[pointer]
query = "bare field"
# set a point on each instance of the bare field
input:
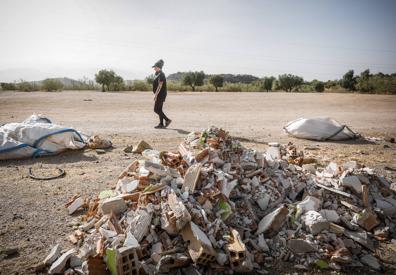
(32, 216)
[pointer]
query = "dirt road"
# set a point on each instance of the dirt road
(32, 215)
(248, 114)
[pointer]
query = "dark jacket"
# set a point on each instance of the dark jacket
(160, 76)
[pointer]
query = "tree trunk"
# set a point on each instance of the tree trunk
(193, 88)
(103, 87)
(216, 88)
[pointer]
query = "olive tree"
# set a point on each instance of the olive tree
(348, 81)
(109, 79)
(193, 79)
(288, 82)
(217, 81)
(267, 83)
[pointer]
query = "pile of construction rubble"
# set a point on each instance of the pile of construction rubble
(216, 206)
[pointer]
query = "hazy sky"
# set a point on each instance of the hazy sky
(312, 38)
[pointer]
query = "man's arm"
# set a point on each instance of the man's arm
(158, 90)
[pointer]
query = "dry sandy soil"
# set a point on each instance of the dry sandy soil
(32, 214)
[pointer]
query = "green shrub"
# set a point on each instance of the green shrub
(177, 86)
(206, 88)
(332, 84)
(139, 85)
(384, 84)
(8, 86)
(318, 86)
(275, 85)
(232, 87)
(305, 88)
(27, 86)
(82, 84)
(50, 85)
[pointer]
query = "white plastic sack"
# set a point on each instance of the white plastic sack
(37, 136)
(320, 128)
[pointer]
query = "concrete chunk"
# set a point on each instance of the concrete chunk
(353, 183)
(116, 205)
(77, 203)
(330, 215)
(175, 217)
(263, 201)
(308, 204)
(59, 265)
(200, 248)
(371, 261)
(226, 187)
(191, 177)
(300, 246)
(272, 222)
(53, 255)
(140, 224)
(142, 145)
(262, 243)
(315, 222)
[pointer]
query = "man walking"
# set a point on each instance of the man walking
(160, 92)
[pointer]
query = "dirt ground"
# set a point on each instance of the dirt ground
(32, 213)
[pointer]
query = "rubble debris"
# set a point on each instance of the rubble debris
(191, 178)
(169, 262)
(309, 203)
(236, 251)
(75, 204)
(128, 149)
(141, 146)
(301, 246)
(342, 256)
(140, 224)
(271, 223)
(177, 217)
(315, 222)
(125, 261)
(371, 261)
(200, 248)
(330, 215)
(366, 219)
(262, 243)
(53, 255)
(96, 142)
(59, 265)
(115, 205)
(353, 183)
(216, 206)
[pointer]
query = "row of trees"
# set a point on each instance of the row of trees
(368, 83)
(108, 80)
(48, 85)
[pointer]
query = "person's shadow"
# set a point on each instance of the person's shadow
(179, 131)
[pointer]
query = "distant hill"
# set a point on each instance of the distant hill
(232, 78)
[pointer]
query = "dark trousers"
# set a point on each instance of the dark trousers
(158, 110)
